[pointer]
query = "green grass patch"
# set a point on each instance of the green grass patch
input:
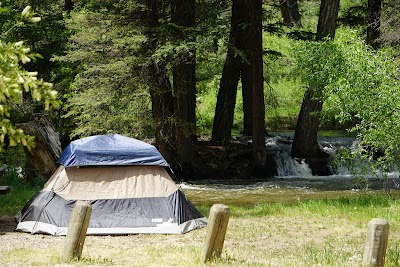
(318, 232)
(20, 192)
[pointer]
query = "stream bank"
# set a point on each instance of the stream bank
(234, 161)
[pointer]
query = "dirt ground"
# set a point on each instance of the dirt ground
(260, 241)
(254, 241)
(21, 249)
(10, 240)
(7, 224)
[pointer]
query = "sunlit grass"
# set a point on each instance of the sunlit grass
(29, 256)
(20, 193)
(325, 232)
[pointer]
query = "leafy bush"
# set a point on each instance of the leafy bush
(361, 87)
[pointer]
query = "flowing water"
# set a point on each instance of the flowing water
(293, 183)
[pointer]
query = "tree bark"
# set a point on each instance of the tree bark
(246, 74)
(41, 161)
(184, 80)
(246, 70)
(374, 22)
(258, 146)
(305, 141)
(68, 5)
(160, 92)
(328, 14)
(290, 13)
(307, 146)
(226, 99)
(163, 109)
(284, 7)
(246, 37)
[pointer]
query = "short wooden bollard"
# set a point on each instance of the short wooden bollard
(217, 226)
(376, 244)
(77, 229)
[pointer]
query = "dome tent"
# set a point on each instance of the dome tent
(125, 180)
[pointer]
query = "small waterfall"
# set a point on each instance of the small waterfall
(280, 146)
(286, 166)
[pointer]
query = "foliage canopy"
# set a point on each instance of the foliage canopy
(361, 86)
(16, 82)
(107, 95)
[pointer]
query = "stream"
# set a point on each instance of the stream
(294, 181)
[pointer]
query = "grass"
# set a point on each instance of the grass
(20, 192)
(315, 232)
(16, 199)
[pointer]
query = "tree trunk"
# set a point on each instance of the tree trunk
(41, 161)
(294, 12)
(160, 91)
(163, 109)
(284, 7)
(184, 80)
(374, 22)
(68, 5)
(328, 14)
(246, 70)
(258, 146)
(290, 12)
(226, 99)
(305, 144)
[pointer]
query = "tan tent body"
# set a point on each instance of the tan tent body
(125, 199)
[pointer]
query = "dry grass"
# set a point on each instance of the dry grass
(316, 234)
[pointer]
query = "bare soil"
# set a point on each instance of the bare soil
(255, 241)
(7, 224)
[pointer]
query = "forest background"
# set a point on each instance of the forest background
(168, 72)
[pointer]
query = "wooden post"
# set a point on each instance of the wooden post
(77, 229)
(376, 244)
(216, 230)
